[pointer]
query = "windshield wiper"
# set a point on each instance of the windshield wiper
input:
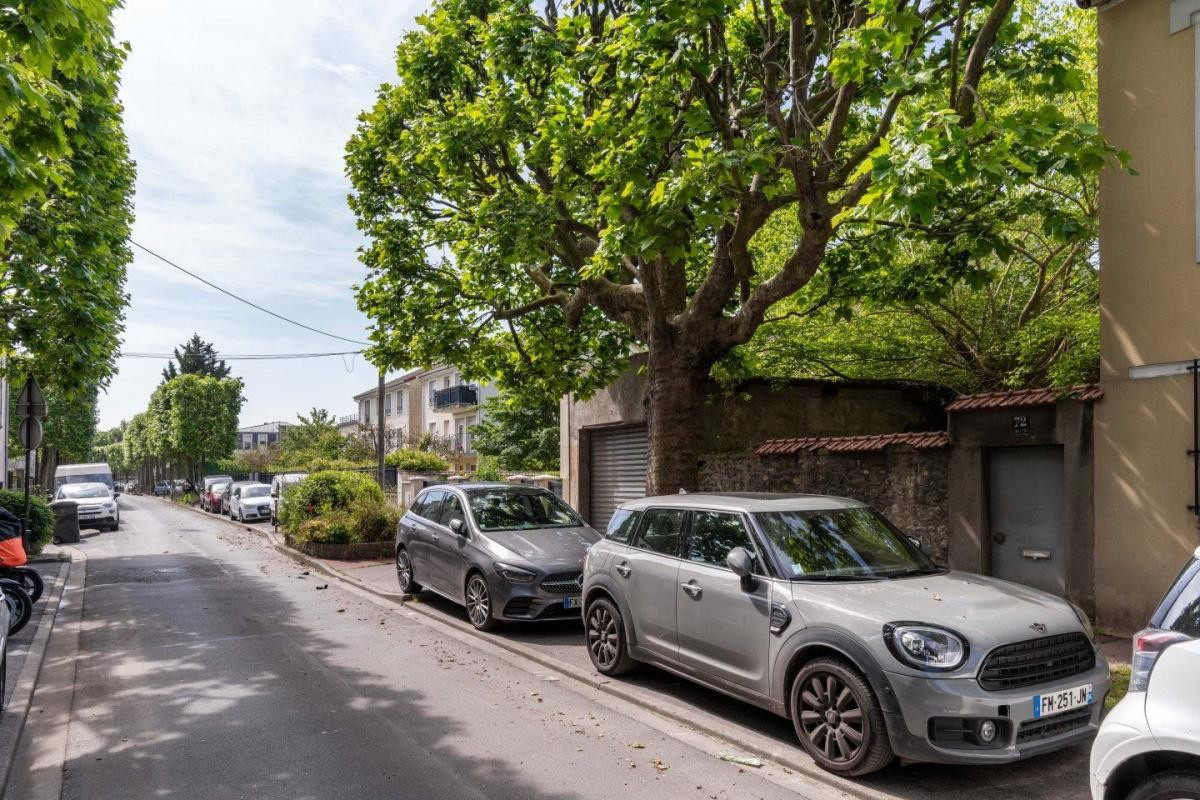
(824, 578)
(905, 573)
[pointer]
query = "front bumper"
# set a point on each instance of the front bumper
(526, 602)
(924, 699)
(256, 513)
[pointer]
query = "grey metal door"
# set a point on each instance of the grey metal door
(1026, 514)
(617, 470)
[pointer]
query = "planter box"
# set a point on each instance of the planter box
(343, 552)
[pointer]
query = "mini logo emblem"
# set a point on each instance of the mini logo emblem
(1039, 627)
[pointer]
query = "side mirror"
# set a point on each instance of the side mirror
(741, 563)
(458, 527)
(917, 543)
(116, 495)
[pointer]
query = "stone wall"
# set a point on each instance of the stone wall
(910, 487)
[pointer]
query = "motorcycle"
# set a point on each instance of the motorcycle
(20, 607)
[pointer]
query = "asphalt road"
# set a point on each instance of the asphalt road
(211, 667)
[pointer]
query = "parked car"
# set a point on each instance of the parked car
(162, 489)
(207, 485)
(279, 486)
(1149, 745)
(505, 552)
(818, 609)
(226, 504)
(95, 503)
(250, 503)
(210, 501)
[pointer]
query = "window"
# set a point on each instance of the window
(387, 404)
(427, 505)
(713, 534)
(446, 429)
(620, 526)
(451, 509)
(660, 529)
(854, 542)
(520, 509)
(433, 429)
(1183, 615)
(432, 391)
(446, 382)
(400, 401)
(367, 413)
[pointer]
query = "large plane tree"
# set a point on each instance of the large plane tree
(547, 190)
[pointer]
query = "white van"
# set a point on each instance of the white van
(83, 473)
(279, 485)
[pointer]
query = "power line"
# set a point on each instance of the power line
(250, 356)
(240, 299)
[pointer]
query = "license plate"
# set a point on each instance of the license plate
(571, 602)
(1045, 705)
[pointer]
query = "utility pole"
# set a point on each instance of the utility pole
(380, 424)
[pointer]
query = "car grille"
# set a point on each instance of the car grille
(89, 509)
(563, 583)
(1037, 661)
(1037, 729)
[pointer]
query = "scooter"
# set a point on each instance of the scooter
(20, 607)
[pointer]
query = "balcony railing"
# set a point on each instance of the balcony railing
(461, 396)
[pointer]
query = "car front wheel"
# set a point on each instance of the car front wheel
(838, 719)
(404, 572)
(479, 603)
(1168, 786)
(607, 644)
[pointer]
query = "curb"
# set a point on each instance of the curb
(21, 700)
(663, 707)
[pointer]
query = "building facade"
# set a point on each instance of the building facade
(264, 435)
(428, 405)
(1146, 479)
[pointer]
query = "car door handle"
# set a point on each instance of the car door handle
(692, 589)
(624, 570)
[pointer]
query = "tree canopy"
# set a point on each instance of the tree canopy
(197, 357)
(518, 434)
(546, 192)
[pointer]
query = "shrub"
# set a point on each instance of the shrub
(488, 470)
(326, 493)
(373, 521)
(41, 518)
(414, 460)
(332, 529)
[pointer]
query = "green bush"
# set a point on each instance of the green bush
(414, 460)
(41, 518)
(488, 470)
(326, 493)
(332, 529)
(373, 521)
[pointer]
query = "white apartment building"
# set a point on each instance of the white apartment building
(436, 402)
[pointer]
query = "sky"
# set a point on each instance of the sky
(238, 114)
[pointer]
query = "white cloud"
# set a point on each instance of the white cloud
(238, 115)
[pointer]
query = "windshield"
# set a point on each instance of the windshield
(841, 543)
(256, 491)
(80, 492)
(507, 510)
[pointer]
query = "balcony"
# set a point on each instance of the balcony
(454, 398)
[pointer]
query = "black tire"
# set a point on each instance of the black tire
(479, 603)
(31, 581)
(604, 634)
(20, 607)
(838, 719)
(1168, 786)
(405, 576)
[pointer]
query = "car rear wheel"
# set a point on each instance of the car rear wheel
(1168, 786)
(608, 647)
(479, 604)
(838, 719)
(404, 572)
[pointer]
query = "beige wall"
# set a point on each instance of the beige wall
(1150, 312)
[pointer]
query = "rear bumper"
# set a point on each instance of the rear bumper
(963, 699)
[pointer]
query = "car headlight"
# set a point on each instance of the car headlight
(1084, 621)
(926, 647)
(514, 574)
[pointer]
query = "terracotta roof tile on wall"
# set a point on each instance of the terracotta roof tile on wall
(933, 440)
(1024, 398)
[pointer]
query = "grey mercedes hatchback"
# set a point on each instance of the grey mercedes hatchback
(505, 552)
(819, 610)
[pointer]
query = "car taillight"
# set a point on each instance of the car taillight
(1148, 645)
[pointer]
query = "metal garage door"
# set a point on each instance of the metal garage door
(617, 468)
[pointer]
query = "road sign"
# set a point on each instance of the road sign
(30, 433)
(31, 402)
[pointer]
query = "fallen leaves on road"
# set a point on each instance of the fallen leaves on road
(745, 761)
(659, 764)
(637, 745)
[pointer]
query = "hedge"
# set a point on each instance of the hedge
(414, 460)
(326, 493)
(41, 518)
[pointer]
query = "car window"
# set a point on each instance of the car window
(1183, 614)
(853, 542)
(451, 509)
(430, 505)
(620, 527)
(713, 534)
(256, 491)
(659, 530)
(520, 509)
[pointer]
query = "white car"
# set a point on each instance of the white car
(95, 502)
(250, 502)
(1149, 745)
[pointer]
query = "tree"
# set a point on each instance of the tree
(518, 435)
(1034, 321)
(197, 358)
(190, 417)
(315, 438)
(543, 193)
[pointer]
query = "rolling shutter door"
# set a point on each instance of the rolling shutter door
(618, 471)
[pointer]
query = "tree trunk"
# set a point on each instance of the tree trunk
(675, 386)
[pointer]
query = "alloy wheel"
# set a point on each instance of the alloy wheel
(479, 606)
(404, 574)
(602, 637)
(831, 718)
